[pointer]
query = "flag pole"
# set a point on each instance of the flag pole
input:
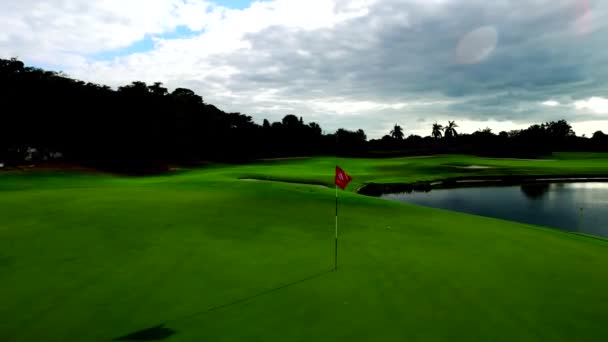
(336, 185)
(336, 240)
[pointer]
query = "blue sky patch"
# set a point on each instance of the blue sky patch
(144, 45)
(147, 44)
(235, 4)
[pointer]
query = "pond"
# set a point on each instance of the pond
(574, 207)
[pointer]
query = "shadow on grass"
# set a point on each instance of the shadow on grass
(260, 294)
(160, 332)
(156, 333)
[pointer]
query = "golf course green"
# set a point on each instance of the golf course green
(245, 253)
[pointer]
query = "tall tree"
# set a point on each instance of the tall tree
(186, 95)
(158, 89)
(450, 129)
(599, 135)
(349, 142)
(397, 132)
(559, 129)
(292, 121)
(315, 128)
(437, 131)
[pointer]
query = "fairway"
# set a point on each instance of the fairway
(94, 257)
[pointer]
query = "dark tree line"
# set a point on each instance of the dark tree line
(47, 116)
(534, 141)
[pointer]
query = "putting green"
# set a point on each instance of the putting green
(97, 257)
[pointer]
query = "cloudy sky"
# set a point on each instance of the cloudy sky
(343, 63)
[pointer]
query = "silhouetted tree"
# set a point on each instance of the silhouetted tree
(599, 141)
(397, 132)
(186, 96)
(291, 121)
(450, 129)
(351, 143)
(158, 89)
(559, 129)
(437, 131)
(315, 128)
(142, 128)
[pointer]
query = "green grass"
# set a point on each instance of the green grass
(95, 257)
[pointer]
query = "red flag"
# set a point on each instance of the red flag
(342, 179)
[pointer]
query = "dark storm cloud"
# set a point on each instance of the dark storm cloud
(404, 51)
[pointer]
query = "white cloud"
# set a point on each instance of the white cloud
(551, 103)
(44, 31)
(597, 105)
(225, 31)
(343, 63)
(353, 107)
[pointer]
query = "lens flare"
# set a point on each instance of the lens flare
(584, 18)
(477, 45)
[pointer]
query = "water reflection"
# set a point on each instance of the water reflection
(578, 207)
(535, 191)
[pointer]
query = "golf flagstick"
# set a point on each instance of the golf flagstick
(336, 185)
(342, 179)
(336, 246)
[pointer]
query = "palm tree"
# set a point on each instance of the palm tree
(397, 132)
(450, 129)
(437, 128)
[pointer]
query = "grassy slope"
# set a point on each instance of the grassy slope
(91, 258)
